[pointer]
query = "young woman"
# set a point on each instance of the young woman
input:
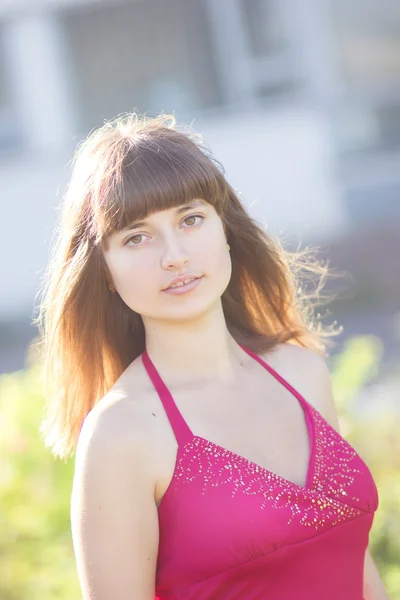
(185, 369)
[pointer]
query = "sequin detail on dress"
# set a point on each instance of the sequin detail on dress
(324, 503)
(333, 472)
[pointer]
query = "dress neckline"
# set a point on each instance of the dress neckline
(185, 435)
(264, 470)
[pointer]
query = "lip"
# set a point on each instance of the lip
(184, 289)
(181, 278)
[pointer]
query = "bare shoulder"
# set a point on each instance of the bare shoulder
(112, 425)
(113, 510)
(308, 372)
(298, 361)
(121, 425)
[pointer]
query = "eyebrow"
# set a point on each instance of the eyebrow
(178, 211)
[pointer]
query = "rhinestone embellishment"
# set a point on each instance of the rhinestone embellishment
(325, 501)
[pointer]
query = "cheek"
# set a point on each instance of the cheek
(214, 256)
(135, 275)
(131, 275)
(212, 250)
(215, 263)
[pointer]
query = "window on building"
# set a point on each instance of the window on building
(266, 27)
(10, 135)
(368, 40)
(147, 55)
(367, 36)
(272, 48)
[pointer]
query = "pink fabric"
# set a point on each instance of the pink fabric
(232, 530)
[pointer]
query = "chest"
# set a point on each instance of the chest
(258, 420)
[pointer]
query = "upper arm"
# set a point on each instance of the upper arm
(114, 517)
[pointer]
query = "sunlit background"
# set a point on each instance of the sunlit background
(300, 101)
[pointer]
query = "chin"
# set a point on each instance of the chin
(190, 308)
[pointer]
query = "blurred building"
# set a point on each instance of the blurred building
(299, 100)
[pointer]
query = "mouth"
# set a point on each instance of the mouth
(184, 287)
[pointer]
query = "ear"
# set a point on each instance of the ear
(106, 271)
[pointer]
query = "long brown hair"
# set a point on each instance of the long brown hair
(131, 166)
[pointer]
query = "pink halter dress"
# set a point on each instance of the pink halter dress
(232, 530)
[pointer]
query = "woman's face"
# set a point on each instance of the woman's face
(143, 260)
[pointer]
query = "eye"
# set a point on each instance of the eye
(194, 217)
(138, 235)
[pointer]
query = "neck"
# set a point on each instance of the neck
(200, 351)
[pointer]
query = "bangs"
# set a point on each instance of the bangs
(153, 175)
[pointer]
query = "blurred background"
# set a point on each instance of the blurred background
(300, 101)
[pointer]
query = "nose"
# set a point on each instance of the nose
(175, 256)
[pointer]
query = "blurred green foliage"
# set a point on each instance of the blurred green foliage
(36, 553)
(375, 436)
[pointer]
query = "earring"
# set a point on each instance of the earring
(111, 287)
(228, 247)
